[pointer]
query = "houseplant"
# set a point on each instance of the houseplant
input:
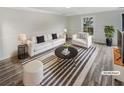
(66, 51)
(109, 32)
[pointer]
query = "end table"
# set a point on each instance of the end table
(22, 51)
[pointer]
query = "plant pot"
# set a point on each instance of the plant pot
(108, 42)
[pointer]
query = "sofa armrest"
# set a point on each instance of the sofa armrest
(30, 43)
(30, 47)
(89, 40)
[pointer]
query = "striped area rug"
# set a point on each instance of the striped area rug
(64, 73)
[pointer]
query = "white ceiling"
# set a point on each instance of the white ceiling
(69, 11)
(75, 10)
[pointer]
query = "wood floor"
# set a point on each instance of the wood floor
(11, 70)
(103, 62)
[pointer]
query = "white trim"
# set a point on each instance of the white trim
(87, 13)
(33, 10)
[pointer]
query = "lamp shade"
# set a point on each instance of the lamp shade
(65, 30)
(22, 38)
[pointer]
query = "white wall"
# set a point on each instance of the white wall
(13, 22)
(73, 24)
(101, 19)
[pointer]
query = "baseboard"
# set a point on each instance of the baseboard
(103, 43)
(7, 59)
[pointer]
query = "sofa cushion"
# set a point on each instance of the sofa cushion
(81, 41)
(43, 45)
(54, 36)
(40, 39)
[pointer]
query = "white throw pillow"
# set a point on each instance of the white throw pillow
(45, 38)
(49, 37)
(33, 39)
(78, 36)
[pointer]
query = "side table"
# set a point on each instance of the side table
(22, 51)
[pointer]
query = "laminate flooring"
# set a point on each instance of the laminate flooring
(11, 70)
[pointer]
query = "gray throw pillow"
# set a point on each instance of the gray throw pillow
(83, 36)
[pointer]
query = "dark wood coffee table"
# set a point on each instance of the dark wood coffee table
(72, 55)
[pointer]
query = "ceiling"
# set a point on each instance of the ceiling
(67, 11)
(75, 10)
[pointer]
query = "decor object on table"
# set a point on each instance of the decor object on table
(22, 51)
(65, 32)
(22, 38)
(33, 73)
(82, 39)
(72, 54)
(109, 32)
(88, 25)
(65, 50)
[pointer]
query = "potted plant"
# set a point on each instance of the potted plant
(66, 46)
(109, 32)
(66, 51)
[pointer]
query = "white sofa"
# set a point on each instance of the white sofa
(35, 48)
(82, 39)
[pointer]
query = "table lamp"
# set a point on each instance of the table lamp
(22, 38)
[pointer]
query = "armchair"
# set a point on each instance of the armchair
(82, 39)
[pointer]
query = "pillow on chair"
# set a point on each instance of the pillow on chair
(83, 36)
(78, 36)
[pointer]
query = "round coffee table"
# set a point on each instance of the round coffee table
(72, 55)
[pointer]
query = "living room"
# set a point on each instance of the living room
(58, 26)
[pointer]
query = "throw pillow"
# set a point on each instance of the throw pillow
(54, 36)
(78, 36)
(83, 36)
(40, 39)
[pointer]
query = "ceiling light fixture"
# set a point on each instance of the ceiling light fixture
(67, 7)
